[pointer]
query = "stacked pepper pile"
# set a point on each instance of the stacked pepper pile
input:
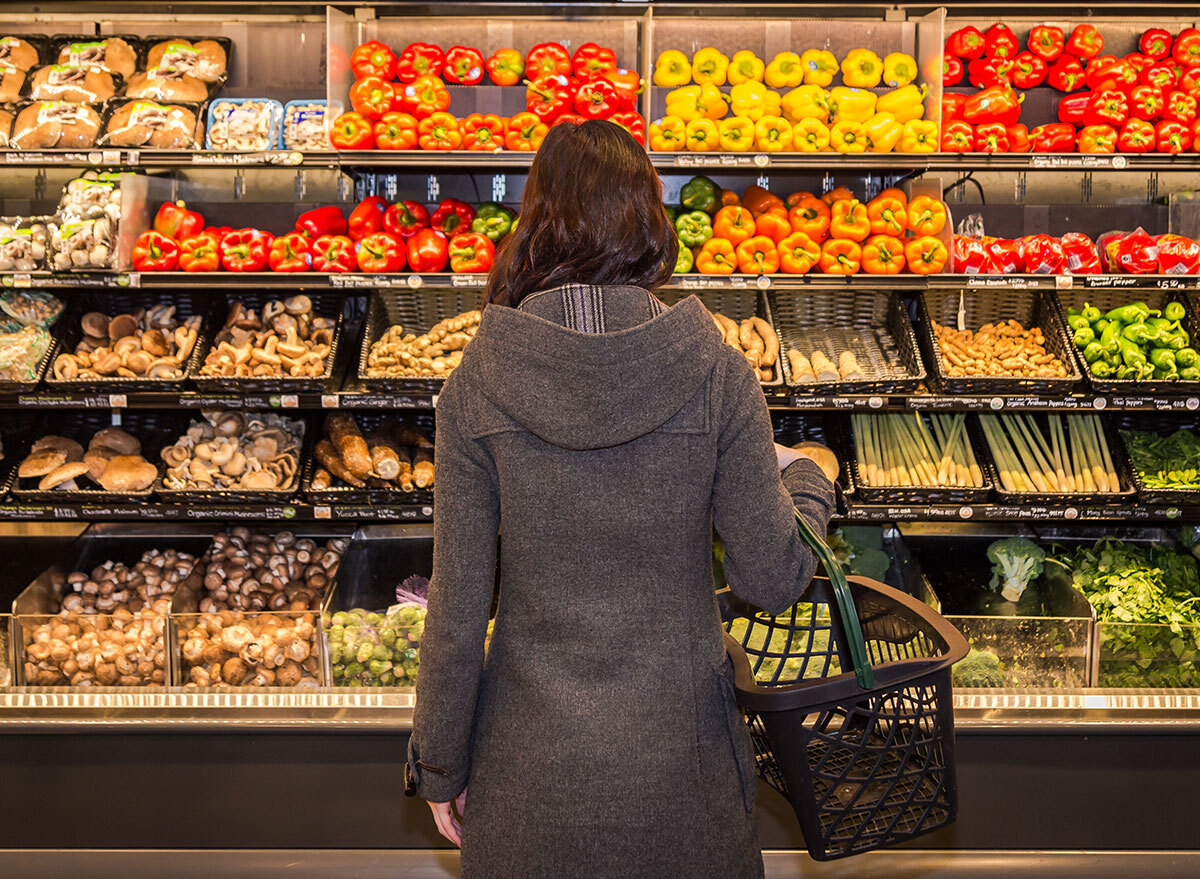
(810, 117)
(402, 102)
(1143, 102)
(376, 237)
(759, 233)
(1135, 342)
(1074, 253)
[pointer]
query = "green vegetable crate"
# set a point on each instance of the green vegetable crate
(1163, 451)
(1049, 645)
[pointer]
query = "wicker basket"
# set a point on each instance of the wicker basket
(417, 311)
(340, 493)
(875, 328)
(735, 305)
(1030, 309)
(1164, 424)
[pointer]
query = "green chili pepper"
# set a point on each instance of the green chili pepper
(1163, 358)
(1100, 326)
(1077, 321)
(1124, 372)
(685, 260)
(1100, 369)
(700, 194)
(1092, 352)
(1187, 357)
(1160, 373)
(1131, 354)
(1190, 373)
(1108, 338)
(694, 228)
(493, 221)
(1145, 371)
(1127, 314)
(1111, 358)
(1140, 333)
(1084, 337)
(1174, 311)
(1091, 313)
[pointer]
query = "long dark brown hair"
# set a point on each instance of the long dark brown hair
(591, 214)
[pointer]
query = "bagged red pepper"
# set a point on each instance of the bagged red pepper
(969, 256)
(1134, 252)
(1043, 255)
(1080, 254)
(1177, 255)
(1004, 257)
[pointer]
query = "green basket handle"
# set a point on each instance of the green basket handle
(841, 593)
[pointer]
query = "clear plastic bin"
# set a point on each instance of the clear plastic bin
(236, 649)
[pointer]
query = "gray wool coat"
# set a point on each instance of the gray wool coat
(607, 435)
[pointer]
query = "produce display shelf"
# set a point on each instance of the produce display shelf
(332, 399)
(932, 402)
(989, 512)
(133, 159)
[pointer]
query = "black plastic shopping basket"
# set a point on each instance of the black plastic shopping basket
(847, 696)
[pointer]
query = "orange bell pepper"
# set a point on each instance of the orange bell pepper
(893, 192)
(850, 220)
(773, 223)
(836, 194)
(439, 131)
(926, 215)
(883, 255)
(840, 256)
(758, 256)
(793, 198)
(525, 132)
(810, 216)
(734, 223)
(925, 255)
(728, 196)
(888, 215)
(798, 253)
(758, 199)
(716, 257)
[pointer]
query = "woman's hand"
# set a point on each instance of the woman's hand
(447, 824)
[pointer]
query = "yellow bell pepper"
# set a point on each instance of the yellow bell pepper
(784, 71)
(702, 136)
(773, 106)
(850, 104)
(810, 136)
(920, 136)
(736, 134)
(773, 134)
(672, 68)
(883, 132)
(899, 69)
(667, 134)
(806, 102)
(848, 137)
(745, 65)
(696, 102)
(820, 67)
(748, 99)
(905, 103)
(710, 65)
(862, 69)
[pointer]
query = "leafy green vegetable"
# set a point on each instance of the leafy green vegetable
(1016, 561)
(859, 550)
(980, 668)
(1165, 461)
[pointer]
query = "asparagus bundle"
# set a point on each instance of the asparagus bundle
(1070, 456)
(902, 450)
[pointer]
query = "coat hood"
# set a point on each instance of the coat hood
(633, 368)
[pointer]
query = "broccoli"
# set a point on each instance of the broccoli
(980, 668)
(1016, 561)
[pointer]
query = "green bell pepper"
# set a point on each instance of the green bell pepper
(694, 228)
(493, 221)
(1084, 336)
(1092, 351)
(1078, 322)
(685, 260)
(1187, 357)
(1090, 313)
(1174, 311)
(700, 194)
(672, 212)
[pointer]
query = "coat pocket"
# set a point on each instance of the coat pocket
(739, 738)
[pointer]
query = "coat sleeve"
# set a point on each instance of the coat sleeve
(460, 599)
(766, 562)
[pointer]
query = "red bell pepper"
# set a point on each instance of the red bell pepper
(952, 70)
(1186, 48)
(632, 122)
(423, 97)
(957, 137)
(596, 99)
(1079, 254)
(591, 60)
(155, 252)
(1047, 42)
(1196, 136)
(351, 131)
(1000, 42)
(1135, 253)
(1177, 255)
(200, 253)
(380, 252)
(1004, 257)
(328, 220)
(427, 251)
(1030, 71)
(371, 97)
(952, 106)
(483, 133)
(965, 43)
(366, 218)
(417, 60)
(1156, 42)
(1085, 41)
(1097, 139)
(505, 67)
(548, 97)
(1136, 136)
(1043, 255)
(1139, 62)
(290, 253)
(1113, 73)
(1066, 74)
(986, 72)
(471, 252)
(1018, 138)
(1189, 80)
(373, 59)
(991, 138)
(451, 216)
(334, 253)
(396, 131)
(565, 118)
(1146, 102)
(174, 220)
(547, 59)
(1172, 136)
(246, 250)
(628, 85)
(969, 257)
(1073, 108)
(1057, 137)
(1161, 76)
(1179, 107)
(405, 219)
(464, 66)
(998, 103)
(1107, 108)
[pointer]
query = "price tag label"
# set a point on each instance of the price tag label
(118, 401)
(433, 400)
(329, 401)
(322, 512)
(289, 401)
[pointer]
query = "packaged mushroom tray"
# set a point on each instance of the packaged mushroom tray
(243, 124)
(274, 344)
(25, 343)
(304, 126)
(83, 233)
(45, 125)
(137, 343)
(141, 122)
(204, 58)
(115, 55)
(23, 243)
(234, 456)
(371, 458)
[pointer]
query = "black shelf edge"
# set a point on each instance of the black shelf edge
(1018, 513)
